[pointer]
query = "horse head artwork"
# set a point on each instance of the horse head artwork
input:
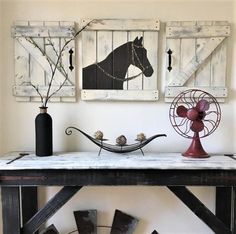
(111, 72)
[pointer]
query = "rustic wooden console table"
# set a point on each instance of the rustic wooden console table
(19, 180)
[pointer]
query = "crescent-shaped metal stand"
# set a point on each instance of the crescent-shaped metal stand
(115, 148)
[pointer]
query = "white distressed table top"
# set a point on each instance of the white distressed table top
(91, 160)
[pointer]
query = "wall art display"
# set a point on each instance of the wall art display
(119, 60)
(196, 54)
(38, 45)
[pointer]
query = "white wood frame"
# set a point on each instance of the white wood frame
(110, 33)
(199, 57)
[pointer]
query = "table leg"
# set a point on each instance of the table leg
(52, 206)
(224, 205)
(11, 210)
(199, 209)
(29, 199)
(234, 210)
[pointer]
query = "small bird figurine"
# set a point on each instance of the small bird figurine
(98, 135)
(121, 140)
(141, 137)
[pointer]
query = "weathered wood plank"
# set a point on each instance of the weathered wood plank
(25, 91)
(40, 59)
(123, 223)
(64, 195)
(137, 83)
(123, 24)
(187, 53)
(203, 73)
(174, 46)
(86, 221)
(217, 92)
(89, 52)
(107, 160)
(125, 95)
(151, 45)
(233, 210)
(104, 48)
(198, 31)
(42, 31)
(196, 61)
(199, 209)
(224, 205)
(219, 65)
(11, 210)
(112, 177)
(65, 57)
(29, 202)
(37, 74)
(119, 38)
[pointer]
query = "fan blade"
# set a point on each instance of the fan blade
(197, 126)
(203, 105)
(182, 111)
(192, 114)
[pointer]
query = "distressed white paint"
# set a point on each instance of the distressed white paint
(203, 73)
(199, 56)
(107, 160)
(109, 35)
(219, 65)
(187, 53)
(24, 91)
(42, 31)
(31, 66)
(217, 92)
(114, 95)
(196, 62)
(122, 24)
(41, 59)
(196, 31)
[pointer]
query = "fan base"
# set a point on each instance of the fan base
(196, 150)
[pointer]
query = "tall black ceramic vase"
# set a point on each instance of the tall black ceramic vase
(43, 133)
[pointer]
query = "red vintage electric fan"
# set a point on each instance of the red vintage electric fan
(195, 114)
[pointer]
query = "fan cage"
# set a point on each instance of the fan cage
(189, 99)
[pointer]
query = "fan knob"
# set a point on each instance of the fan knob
(192, 114)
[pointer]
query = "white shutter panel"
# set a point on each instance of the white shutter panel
(198, 58)
(32, 66)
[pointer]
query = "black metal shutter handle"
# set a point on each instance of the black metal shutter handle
(71, 67)
(169, 52)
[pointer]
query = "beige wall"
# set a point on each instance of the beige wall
(155, 206)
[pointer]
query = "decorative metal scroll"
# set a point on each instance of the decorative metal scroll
(116, 148)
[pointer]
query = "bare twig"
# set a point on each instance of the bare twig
(37, 90)
(58, 64)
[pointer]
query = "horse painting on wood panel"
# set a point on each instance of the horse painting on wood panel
(111, 72)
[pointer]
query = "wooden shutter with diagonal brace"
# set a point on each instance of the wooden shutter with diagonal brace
(32, 67)
(198, 58)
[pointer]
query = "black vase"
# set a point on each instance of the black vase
(43, 133)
